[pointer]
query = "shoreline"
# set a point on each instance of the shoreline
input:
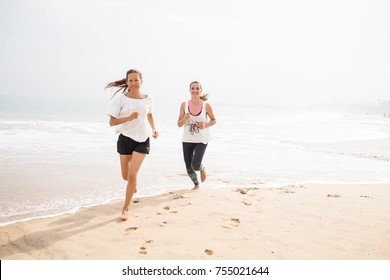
(300, 222)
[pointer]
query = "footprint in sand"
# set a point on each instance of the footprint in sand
(209, 252)
(241, 191)
(166, 208)
(288, 191)
(130, 229)
(234, 222)
(189, 203)
(142, 250)
(245, 191)
(162, 224)
(247, 203)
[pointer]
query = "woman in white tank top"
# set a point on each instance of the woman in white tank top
(196, 116)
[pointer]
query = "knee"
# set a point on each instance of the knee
(131, 176)
(196, 166)
(125, 175)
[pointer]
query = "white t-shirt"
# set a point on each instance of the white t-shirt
(122, 106)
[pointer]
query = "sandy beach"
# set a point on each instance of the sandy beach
(297, 222)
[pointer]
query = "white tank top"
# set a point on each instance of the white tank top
(192, 133)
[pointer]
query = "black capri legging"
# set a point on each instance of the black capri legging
(193, 155)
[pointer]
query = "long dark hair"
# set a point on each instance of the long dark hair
(204, 97)
(122, 84)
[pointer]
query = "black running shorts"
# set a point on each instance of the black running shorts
(126, 146)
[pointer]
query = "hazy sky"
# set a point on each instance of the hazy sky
(248, 51)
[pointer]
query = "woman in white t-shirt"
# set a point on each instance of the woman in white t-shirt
(131, 114)
(196, 116)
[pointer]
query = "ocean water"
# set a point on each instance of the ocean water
(56, 161)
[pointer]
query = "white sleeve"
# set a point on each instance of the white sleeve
(115, 107)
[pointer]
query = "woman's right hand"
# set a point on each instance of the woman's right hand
(133, 116)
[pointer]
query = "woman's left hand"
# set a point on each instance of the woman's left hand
(154, 133)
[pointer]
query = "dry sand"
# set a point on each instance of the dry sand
(300, 222)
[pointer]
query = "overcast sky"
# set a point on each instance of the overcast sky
(248, 51)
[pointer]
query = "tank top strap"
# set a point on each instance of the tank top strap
(186, 107)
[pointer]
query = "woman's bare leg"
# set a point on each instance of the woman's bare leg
(134, 166)
(125, 165)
